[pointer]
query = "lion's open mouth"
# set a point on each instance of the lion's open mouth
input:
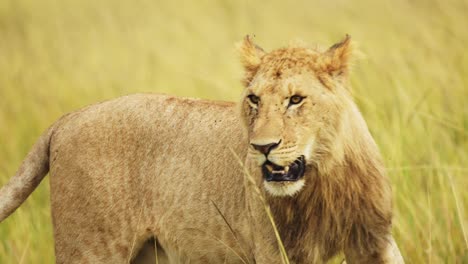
(292, 172)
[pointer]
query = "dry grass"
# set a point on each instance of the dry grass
(56, 56)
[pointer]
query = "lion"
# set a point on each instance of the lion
(186, 180)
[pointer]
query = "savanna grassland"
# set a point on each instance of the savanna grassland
(410, 82)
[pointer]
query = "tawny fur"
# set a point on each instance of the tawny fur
(147, 167)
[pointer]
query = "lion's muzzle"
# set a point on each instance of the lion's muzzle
(291, 172)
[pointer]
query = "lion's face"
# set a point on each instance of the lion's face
(289, 108)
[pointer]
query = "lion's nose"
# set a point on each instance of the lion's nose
(265, 149)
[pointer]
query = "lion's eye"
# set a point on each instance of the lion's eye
(295, 99)
(254, 99)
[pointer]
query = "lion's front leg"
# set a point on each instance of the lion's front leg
(265, 245)
(389, 253)
(266, 248)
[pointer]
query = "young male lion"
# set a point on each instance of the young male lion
(165, 169)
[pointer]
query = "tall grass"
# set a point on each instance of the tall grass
(411, 86)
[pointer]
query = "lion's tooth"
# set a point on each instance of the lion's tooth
(269, 167)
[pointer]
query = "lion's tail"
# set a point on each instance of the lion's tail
(33, 169)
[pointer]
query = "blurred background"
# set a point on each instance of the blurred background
(411, 85)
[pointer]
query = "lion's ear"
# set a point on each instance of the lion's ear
(250, 57)
(336, 61)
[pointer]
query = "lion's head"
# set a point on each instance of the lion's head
(293, 106)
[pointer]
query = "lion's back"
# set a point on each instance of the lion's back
(145, 120)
